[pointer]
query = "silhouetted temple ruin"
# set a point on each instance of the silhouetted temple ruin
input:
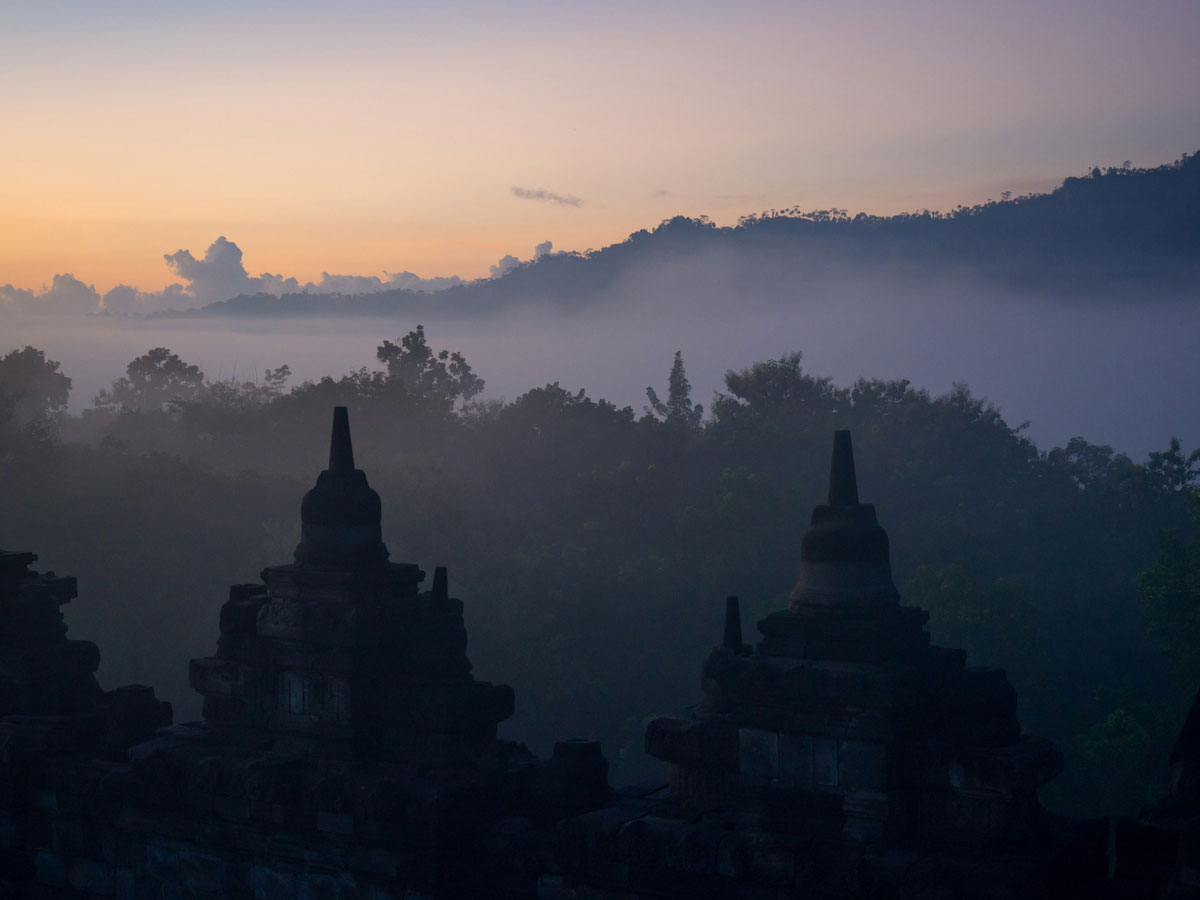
(347, 752)
(876, 762)
(340, 655)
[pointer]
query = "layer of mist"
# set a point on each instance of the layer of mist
(1116, 369)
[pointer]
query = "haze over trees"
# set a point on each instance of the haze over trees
(593, 547)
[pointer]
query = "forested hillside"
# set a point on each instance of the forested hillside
(593, 545)
(1114, 226)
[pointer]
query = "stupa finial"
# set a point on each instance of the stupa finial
(341, 450)
(843, 483)
(844, 558)
(340, 516)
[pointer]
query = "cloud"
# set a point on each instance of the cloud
(13, 298)
(410, 281)
(66, 294)
(371, 284)
(508, 262)
(546, 196)
(220, 275)
(124, 299)
(70, 295)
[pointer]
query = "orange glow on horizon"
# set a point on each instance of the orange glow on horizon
(390, 139)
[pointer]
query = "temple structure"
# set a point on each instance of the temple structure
(844, 756)
(347, 752)
(340, 655)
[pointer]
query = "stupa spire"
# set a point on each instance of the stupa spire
(844, 558)
(843, 483)
(340, 517)
(341, 450)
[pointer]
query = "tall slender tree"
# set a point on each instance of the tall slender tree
(679, 407)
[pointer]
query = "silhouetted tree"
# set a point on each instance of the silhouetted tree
(438, 380)
(1170, 470)
(32, 389)
(231, 396)
(152, 383)
(679, 407)
(1114, 765)
(1171, 600)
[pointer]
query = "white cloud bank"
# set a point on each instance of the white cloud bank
(219, 275)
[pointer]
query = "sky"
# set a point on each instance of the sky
(366, 138)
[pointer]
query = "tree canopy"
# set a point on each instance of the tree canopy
(593, 547)
(32, 389)
(153, 382)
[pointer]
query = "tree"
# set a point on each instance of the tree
(679, 407)
(242, 396)
(154, 382)
(1170, 595)
(1113, 766)
(32, 389)
(778, 385)
(436, 380)
(225, 405)
(1171, 471)
(994, 622)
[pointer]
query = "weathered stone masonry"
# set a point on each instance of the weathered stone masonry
(347, 752)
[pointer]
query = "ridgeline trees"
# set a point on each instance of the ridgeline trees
(593, 548)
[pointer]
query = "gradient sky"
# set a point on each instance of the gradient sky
(360, 137)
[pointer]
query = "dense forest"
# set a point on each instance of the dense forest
(1116, 226)
(594, 545)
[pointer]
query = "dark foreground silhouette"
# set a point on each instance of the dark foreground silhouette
(348, 752)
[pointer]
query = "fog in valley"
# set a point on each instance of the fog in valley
(1114, 368)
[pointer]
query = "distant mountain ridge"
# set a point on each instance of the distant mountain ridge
(1120, 224)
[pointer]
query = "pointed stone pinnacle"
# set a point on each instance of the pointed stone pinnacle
(843, 484)
(340, 516)
(732, 639)
(341, 451)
